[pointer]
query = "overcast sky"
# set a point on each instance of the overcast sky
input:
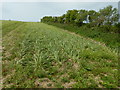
(33, 11)
(59, 0)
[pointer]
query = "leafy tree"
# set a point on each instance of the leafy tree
(109, 15)
(55, 19)
(80, 17)
(47, 19)
(67, 16)
(73, 15)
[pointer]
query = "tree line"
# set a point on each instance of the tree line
(105, 16)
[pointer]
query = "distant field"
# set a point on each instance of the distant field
(37, 55)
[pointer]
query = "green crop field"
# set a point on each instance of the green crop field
(37, 55)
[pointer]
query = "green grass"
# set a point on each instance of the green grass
(37, 55)
(100, 34)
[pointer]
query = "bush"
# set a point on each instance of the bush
(108, 28)
(117, 25)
